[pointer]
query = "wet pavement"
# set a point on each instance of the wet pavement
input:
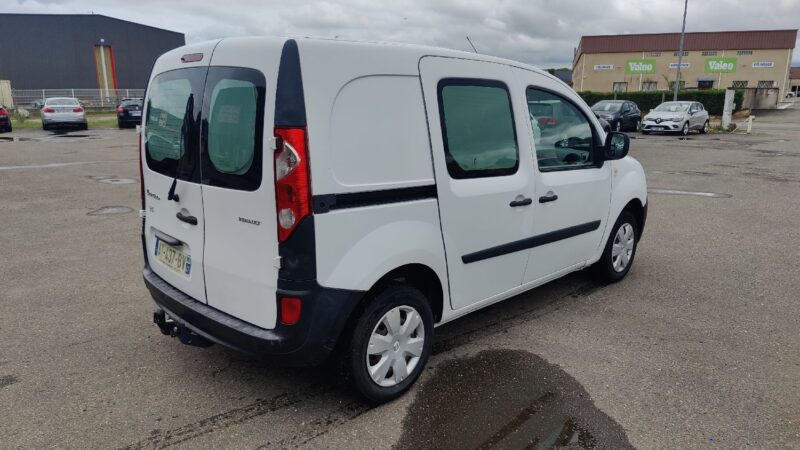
(696, 348)
(505, 399)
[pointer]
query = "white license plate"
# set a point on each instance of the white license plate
(173, 257)
(136, 113)
(658, 128)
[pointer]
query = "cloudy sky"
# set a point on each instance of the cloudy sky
(540, 32)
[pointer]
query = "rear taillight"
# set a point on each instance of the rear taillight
(291, 307)
(48, 110)
(292, 180)
(119, 109)
(78, 109)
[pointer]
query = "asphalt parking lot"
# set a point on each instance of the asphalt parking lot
(698, 348)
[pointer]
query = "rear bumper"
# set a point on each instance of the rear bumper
(325, 313)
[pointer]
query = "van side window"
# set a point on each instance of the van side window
(172, 123)
(478, 128)
(233, 120)
(562, 134)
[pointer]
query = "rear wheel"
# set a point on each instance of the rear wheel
(618, 126)
(619, 251)
(45, 126)
(391, 343)
(704, 130)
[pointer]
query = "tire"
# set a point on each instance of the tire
(404, 301)
(645, 132)
(618, 126)
(45, 127)
(704, 130)
(119, 125)
(10, 128)
(85, 126)
(605, 269)
(685, 129)
(636, 124)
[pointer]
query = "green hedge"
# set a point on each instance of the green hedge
(712, 99)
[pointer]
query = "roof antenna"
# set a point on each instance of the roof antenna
(472, 45)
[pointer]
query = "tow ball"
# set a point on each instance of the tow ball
(172, 328)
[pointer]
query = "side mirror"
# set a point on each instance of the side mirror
(617, 145)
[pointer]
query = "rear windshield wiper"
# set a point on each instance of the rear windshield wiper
(186, 129)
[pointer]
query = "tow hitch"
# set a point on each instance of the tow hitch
(172, 328)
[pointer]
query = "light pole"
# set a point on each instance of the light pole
(680, 55)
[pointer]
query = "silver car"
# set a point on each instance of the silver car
(676, 117)
(63, 111)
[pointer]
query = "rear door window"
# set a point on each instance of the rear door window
(233, 123)
(172, 124)
(478, 128)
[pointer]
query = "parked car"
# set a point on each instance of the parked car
(5, 119)
(620, 114)
(324, 220)
(129, 112)
(676, 117)
(63, 111)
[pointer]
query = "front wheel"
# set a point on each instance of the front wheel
(685, 129)
(619, 251)
(391, 343)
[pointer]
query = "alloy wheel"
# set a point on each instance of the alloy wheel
(622, 248)
(395, 346)
(685, 129)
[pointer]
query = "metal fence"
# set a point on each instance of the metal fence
(93, 99)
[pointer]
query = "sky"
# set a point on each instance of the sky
(539, 32)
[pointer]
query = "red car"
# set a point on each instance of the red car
(5, 119)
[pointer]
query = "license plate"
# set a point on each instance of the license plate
(136, 113)
(658, 128)
(173, 257)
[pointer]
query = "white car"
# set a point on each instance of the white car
(305, 196)
(63, 111)
(676, 117)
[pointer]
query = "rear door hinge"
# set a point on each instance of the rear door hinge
(277, 262)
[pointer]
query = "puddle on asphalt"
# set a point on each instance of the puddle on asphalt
(106, 210)
(690, 193)
(506, 399)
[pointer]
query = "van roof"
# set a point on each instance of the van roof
(375, 52)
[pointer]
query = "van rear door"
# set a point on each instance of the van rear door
(174, 227)
(241, 246)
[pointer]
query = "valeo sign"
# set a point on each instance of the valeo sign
(637, 66)
(720, 65)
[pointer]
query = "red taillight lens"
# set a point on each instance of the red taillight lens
(78, 109)
(49, 110)
(292, 180)
(119, 109)
(290, 310)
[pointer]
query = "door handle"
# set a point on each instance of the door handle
(520, 202)
(191, 220)
(549, 197)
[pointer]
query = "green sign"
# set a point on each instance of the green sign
(637, 66)
(720, 65)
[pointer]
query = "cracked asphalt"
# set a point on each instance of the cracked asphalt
(698, 348)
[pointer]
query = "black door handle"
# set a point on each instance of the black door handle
(191, 220)
(550, 197)
(521, 202)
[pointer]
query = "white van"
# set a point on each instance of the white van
(305, 196)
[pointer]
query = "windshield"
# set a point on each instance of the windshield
(607, 106)
(673, 107)
(62, 102)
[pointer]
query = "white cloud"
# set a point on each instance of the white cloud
(541, 32)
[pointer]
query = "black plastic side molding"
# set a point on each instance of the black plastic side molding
(531, 242)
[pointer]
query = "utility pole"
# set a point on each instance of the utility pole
(680, 54)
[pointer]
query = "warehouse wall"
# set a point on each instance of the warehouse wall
(57, 51)
(587, 78)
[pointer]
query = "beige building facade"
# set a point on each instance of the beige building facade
(631, 63)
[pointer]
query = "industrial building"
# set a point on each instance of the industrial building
(718, 60)
(80, 51)
(794, 80)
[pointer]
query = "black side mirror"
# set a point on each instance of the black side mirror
(617, 145)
